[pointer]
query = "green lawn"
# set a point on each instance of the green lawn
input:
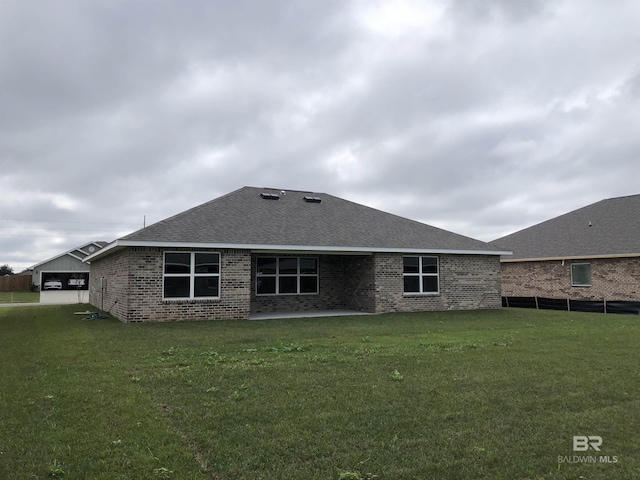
(456, 395)
(19, 297)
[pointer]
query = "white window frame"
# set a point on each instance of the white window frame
(421, 274)
(298, 276)
(192, 275)
(573, 283)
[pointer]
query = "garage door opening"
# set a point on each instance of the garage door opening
(64, 287)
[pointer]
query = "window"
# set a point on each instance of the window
(580, 275)
(286, 275)
(191, 275)
(421, 275)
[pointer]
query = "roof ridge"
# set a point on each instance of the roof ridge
(286, 190)
(617, 198)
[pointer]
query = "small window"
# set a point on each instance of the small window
(177, 263)
(288, 266)
(190, 275)
(308, 266)
(267, 266)
(421, 275)
(207, 263)
(580, 275)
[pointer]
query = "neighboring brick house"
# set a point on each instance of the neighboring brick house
(265, 250)
(592, 253)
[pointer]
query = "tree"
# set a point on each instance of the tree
(5, 270)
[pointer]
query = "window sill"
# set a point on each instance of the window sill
(190, 300)
(426, 294)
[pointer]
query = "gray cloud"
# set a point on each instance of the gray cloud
(479, 117)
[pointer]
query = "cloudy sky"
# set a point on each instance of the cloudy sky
(478, 117)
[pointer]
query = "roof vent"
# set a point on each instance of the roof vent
(270, 196)
(312, 199)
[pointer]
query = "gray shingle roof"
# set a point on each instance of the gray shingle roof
(609, 227)
(243, 217)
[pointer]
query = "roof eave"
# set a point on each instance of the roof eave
(569, 257)
(120, 244)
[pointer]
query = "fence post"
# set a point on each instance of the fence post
(605, 305)
(568, 305)
(537, 308)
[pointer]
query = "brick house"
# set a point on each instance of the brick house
(259, 250)
(592, 253)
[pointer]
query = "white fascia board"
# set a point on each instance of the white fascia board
(569, 257)
(289, 248)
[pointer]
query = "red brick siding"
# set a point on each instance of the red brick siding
(611, 279)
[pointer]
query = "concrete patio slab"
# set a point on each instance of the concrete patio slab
(309, 314)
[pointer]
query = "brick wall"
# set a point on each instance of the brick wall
(371, 283)
(466, 282)
(611, 279)
(134, 278)
(471, 281)
(115, 270)
(360, 283)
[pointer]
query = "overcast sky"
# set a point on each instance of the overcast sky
(482, 118)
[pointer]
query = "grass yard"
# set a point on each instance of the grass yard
(19, 297)
(456, 395)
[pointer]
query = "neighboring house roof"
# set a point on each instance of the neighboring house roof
(609, 228)
(79, 253)
(297, 221)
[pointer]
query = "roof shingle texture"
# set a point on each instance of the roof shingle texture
(244, 217)
(608, 227)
